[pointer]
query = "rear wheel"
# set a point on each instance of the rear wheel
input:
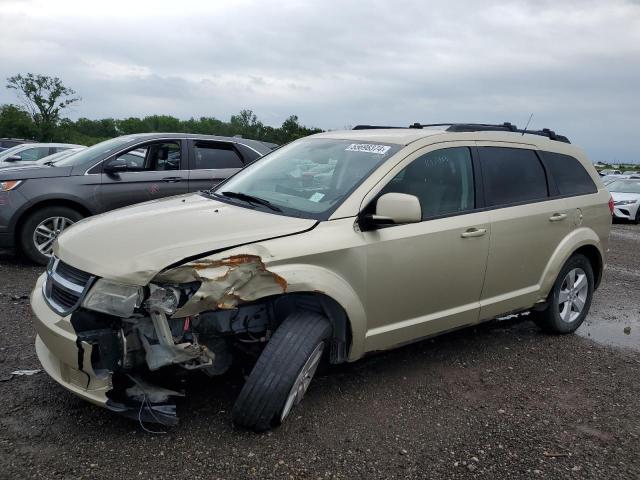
(570, 298)
(283, 372)
(41, 229)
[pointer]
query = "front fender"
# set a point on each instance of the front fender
(311, 278)
(578, 238)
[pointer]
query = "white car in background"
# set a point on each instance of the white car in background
(31, 152)
(626, 198)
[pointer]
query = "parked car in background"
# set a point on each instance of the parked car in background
(56, 157)
(332, 247)
(609, 171)
(46, 160)
(626, 198)
(40, 201)
(630, 172)
(7, 143)
(31, 152)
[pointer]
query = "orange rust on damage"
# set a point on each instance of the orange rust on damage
(227, 262)
(236, 260)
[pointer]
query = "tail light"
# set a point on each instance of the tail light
(611, 204)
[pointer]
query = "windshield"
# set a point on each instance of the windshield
(93, 152)
(624, 186)
(56, 157)
(309, 177)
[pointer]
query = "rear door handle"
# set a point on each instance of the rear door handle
(473, 232)
(172, 179)
(556, 217)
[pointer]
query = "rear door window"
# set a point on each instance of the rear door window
(210, 155)
(511, 176)
(569, 175)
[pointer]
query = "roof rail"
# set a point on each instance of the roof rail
(371, 127)
(478, 127)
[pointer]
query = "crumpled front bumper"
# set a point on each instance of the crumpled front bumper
(57, 350)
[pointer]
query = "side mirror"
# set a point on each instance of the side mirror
(395, 209)
(13, 158)
(115, 167)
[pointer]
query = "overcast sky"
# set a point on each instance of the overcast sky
(574, 64)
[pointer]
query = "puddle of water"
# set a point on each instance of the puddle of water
(612, 333)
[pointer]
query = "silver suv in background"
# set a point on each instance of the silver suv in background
(40, 201)
(31, 152)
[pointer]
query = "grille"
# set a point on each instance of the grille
(73, 274)
(65, 286)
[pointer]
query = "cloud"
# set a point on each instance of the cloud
(574, 64)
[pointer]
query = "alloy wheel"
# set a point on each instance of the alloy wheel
(45, 234)
(573, 295)
(301, 384)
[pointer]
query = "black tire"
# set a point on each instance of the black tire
(637, 220)
(262, 399)
(25, 237)
(549, 320)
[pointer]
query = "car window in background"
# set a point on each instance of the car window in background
(56, 157)
(442, 180)
(209, 155)
(92, 153)
(9, 152)
(624, 186)
(33, 154)
(570, 176)
(150, 157)
(512, 175)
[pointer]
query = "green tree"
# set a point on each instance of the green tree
(44, 98)
(16, 122)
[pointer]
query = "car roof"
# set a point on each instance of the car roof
(261, 147)
(405, 136)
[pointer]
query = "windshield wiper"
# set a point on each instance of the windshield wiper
(251, 199)
(50, 164)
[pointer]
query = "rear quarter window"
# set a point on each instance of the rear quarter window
(511, 176)
(570, 176)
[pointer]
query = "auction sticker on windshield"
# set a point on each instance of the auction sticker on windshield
(368, 148)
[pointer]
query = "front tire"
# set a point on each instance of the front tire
(283, 372)
(570, 298)
(41, 229)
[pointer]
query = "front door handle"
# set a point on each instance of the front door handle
(172, 179)
(556, 217)
(473, 232)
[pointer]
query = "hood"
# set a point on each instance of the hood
(27, 172)
(624, 196)
(133, 244)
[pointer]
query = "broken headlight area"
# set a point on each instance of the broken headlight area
(139, 351)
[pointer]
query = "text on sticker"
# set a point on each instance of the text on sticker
(368, 148)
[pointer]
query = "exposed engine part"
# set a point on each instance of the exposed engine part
(166, 351)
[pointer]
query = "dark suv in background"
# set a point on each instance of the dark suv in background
(37, 202)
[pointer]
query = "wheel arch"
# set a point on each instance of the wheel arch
(335, 295)
(582, 240)
(46, 203)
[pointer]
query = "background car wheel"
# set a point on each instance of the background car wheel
(283, 372)
(41, 228)
(570, 298)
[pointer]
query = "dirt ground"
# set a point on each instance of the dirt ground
(498, 401)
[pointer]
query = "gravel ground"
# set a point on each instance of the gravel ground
(500, 400)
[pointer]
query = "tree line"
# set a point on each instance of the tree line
(43, 100)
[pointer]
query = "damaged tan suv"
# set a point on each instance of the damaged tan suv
(332, 247)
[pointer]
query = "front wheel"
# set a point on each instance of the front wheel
(570, 299)
(41, 229)
(283, 371)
